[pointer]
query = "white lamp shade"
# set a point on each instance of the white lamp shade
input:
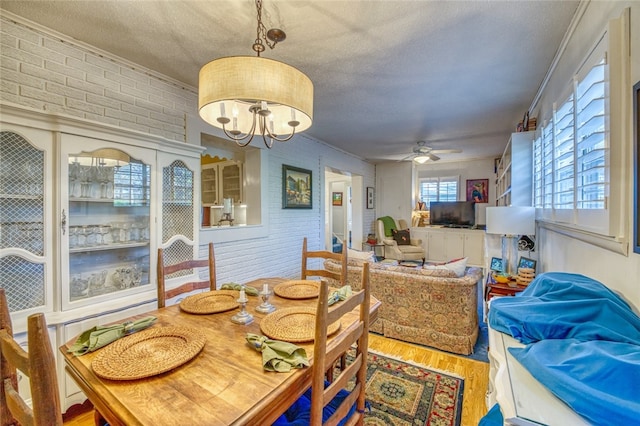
(421, 159)
(512, 220)
(229, 86)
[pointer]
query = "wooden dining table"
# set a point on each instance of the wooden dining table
(225, 384)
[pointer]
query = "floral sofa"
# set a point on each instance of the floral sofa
(432, 307)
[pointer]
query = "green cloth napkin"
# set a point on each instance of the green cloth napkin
(100, 336)
(389, 224)
(250, 291)
(278, 356)
(341, 294)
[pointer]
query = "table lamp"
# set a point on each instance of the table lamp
(511, 223)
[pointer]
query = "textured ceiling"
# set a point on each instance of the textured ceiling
(458, 74)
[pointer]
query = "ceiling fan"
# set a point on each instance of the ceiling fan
(423, 153)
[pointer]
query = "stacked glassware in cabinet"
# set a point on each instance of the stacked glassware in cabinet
(109, 223)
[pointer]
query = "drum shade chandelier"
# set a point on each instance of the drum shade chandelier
(243, 95)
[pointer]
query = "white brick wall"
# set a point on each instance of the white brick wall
(54, 74)
(49, 72)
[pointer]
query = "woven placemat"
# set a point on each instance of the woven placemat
(295, 324)
(298, 289)
(148, 353)
(210, 302)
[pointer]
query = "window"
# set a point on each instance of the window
(131, 184)
(570, 166)
(438, 189)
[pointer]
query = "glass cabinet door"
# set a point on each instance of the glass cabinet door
(107, 193)
(25, 238)
(210, 185)
(231, 179)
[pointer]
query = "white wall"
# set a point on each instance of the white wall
(69, 78)
(558, 252)
(394, 195)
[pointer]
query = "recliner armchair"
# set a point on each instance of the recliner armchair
(412, 251)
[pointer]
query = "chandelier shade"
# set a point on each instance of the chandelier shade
(233, 90)
(421, 159)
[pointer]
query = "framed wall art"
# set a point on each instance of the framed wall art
(636, 168)
(296, 188)
(496, 264)
(336, 199)
(525, 262)
(370, 197)
(478, 190)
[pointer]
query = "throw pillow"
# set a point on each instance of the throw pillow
(402, 236)
(367, 256)
(459, 266)
(456, 266)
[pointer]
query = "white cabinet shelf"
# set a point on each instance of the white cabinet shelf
(513, 184)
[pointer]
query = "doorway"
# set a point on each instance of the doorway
(343, 210)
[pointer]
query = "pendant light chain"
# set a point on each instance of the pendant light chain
(261, 33)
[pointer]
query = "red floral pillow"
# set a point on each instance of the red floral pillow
(401, 236)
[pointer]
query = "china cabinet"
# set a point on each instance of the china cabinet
(222, 180)
(83, 210)
(513, 185)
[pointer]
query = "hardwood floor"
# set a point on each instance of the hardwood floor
(475, 374)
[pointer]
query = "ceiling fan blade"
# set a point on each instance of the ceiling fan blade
(406, 158)
(446, 151)
(433, 157)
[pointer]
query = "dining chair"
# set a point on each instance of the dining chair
(341, 277)
(38, 364)
(329, 403)
(188, 265)
(307, 271)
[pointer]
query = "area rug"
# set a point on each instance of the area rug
(403, 393)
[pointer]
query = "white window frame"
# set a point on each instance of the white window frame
(439, 180)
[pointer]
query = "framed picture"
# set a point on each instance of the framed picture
(296, 188)
(496, 264)
(336, 199)
(525, 262)
(636, 168)
(370, 197)
(478, 190)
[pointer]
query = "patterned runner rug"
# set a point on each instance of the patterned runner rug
(403, 393)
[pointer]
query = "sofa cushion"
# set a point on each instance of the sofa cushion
(402, 236)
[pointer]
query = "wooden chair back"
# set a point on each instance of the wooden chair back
(326, 354)
(324, 254)
(38, 364)
(165, 270)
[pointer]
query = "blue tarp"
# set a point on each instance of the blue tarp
(564, 306)
(582, 342)
(600, 380)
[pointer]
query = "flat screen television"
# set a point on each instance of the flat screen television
(453, 213)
